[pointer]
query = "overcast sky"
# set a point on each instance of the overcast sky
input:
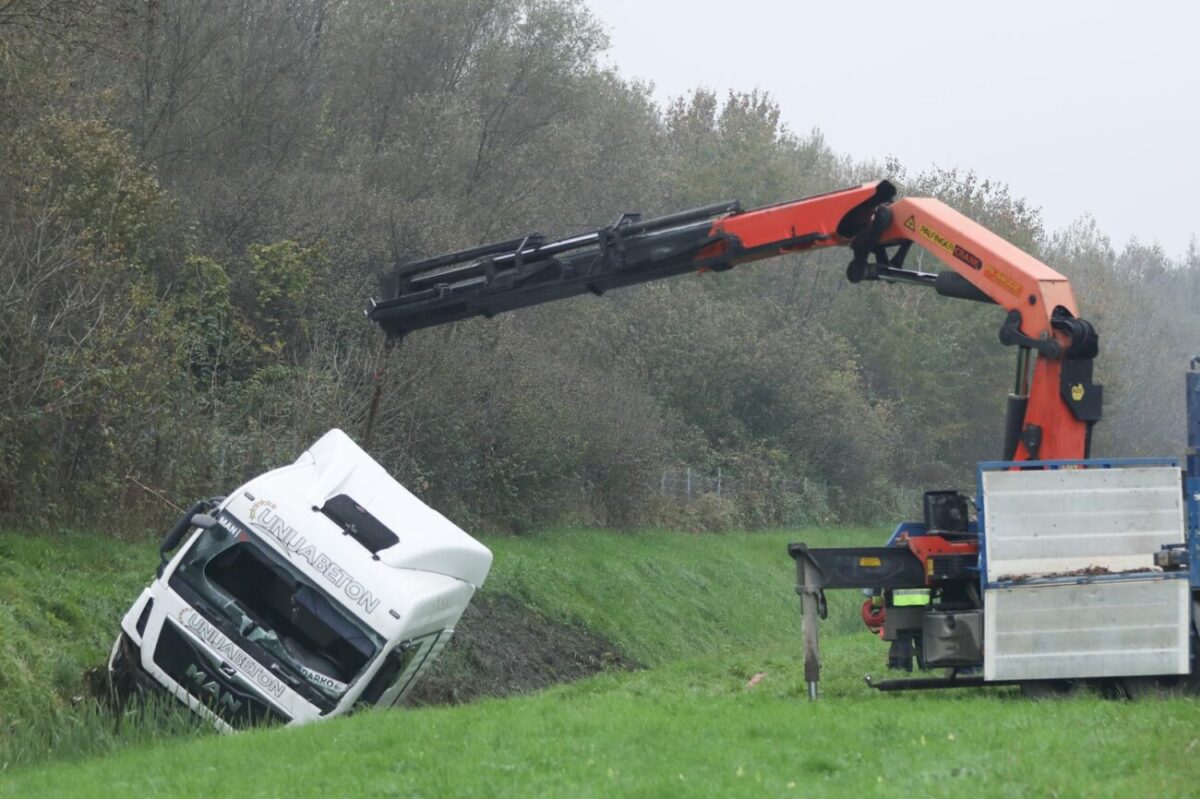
(1078, 106)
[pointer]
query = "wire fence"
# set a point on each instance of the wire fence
(685, 484)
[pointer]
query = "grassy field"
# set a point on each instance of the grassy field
(60, 594)
(61, 599)
(707, 613)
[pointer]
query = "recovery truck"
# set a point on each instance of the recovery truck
(1059, 568)
(312, 590)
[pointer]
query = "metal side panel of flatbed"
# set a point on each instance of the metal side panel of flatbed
(1070, 590)
(1111, 628)
(1054, 521)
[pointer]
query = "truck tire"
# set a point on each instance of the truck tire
(1045, 689)
(1154, 687)
(123, 667)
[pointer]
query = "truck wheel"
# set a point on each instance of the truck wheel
(1153, 687)
(123, 669)
(1045, 689)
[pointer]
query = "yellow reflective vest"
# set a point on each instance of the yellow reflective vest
(910, 597)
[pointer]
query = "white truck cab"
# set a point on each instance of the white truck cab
(311, 590)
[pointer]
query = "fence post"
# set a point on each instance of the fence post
(718, 481)
(689, 484)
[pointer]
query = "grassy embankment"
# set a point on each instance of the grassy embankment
(707, 613)
(61, 598)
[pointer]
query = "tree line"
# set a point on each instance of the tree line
(198, 197)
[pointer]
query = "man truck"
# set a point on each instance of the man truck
(314, 589)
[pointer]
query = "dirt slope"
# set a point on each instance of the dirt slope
(504, 647)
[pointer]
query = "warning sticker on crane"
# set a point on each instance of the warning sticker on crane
(911, 223)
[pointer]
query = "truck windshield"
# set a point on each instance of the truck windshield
(276, 607)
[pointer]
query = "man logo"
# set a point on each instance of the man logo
(211, 687)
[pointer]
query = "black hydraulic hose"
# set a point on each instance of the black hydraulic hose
(1014, 420)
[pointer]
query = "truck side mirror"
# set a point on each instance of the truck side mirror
(203, 521)
(176, 533)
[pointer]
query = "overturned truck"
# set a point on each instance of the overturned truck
(314, 589)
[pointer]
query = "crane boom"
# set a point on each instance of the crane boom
(1053, 405)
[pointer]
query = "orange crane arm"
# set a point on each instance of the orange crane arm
(1057, 407)
(1054, 402)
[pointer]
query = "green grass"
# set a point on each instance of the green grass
(687, 728)
(63, 596)
(667, 596)
(61, 600)
(708, 613)
(659, 596)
